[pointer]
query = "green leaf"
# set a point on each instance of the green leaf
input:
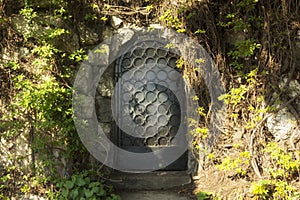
(96, 190)
(80, 182)
(87, 180)
(199, 31)
(101, 192)
(203, 196)
(88, 193)
(74, 194)
(65, 193)
(104, 18)
(94, 184)
(149, 8)
(69, 184)
(115, 197)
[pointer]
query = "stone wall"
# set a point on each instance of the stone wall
(105, 86)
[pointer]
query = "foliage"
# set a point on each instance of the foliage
(238, 164)
(80, 186)
(204, 196)
(198, 131)
(40, 107)
(28, 13)
(172, 21)
(274, 189)
(284, 167)
(244, 49)
(78, 56)
(235, 95)
(284, 164)
(241, 25)
(252, 42)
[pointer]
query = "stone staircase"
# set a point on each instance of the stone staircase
(151, 186)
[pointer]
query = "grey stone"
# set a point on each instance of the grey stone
(105, 117)
(85, 106)
(68, 42)
(24, 52)
(234, 37)
(150, 181)
(106, 127)
(294, 88)
(116, 22)
(283, 123)
(105, 86)
(85, 79)
(88, 36)
(100, 56)
(103, 104)
(98, 148)
(107, 32)
(13, 151)
(155, 26)
(192, 163)
(152, 195)
(123, 36)
(62, 164)
(104, 112)
(50, 20)
(7, 56)
(21, 25)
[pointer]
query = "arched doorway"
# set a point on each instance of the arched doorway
(153, 107)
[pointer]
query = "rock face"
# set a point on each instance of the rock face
(116, 22)
(283, 124)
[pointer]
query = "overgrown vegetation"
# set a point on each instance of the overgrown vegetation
(253, 43)
(80, 186)
(37, 110)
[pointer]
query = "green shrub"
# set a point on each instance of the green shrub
(284, 167)
(81, 187)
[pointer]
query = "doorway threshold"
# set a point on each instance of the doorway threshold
(149, 181)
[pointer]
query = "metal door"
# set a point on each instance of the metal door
(152, 106)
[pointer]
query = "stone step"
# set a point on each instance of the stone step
(152, 195)
(150, 181)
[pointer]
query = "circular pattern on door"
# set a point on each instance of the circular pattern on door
(152, 106)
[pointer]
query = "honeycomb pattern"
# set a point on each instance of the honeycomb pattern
(153, 107)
